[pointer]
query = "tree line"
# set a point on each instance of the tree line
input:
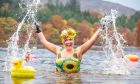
(55, 15)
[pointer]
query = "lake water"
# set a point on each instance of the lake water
(90, 73)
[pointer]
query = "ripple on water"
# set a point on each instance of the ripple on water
(91, 72)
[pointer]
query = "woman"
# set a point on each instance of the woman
(67, 59)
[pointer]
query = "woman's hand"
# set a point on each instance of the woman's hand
(38, 30)
(27, 57)
(105, 22)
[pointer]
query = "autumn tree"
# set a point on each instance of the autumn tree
(51, 33)
(138, 33)
(57, 21)
(84, 32)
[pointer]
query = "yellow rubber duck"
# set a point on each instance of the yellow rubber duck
(18, 70)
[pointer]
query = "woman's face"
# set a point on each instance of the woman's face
(68, 43)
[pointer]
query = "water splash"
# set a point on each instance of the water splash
(30, 8)
(113, 44)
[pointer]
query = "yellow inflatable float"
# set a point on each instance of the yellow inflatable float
(18, 70)
(132, 58)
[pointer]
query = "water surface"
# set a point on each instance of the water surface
(91, 70)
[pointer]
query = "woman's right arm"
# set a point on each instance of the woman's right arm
(50, 46)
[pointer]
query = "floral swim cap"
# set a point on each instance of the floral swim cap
(67, 33)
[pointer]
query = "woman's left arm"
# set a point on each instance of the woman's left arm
(84, 47)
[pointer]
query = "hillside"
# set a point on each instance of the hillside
(105, 7)
(101, 6)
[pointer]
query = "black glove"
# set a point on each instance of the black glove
(102, 27)
(105, 22)
(38, 30)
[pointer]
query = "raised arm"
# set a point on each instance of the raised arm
(83, 48)
(50, 46)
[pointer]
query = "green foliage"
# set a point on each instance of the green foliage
(10, 8)
(133, 19)
(130, 22)
(74, 22)
(6, 1)
(136, 16)
(5, 26)
(70, 10)
(121, 21)
(73, 6)
(44, 14)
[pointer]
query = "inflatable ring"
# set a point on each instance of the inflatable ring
(132, 58)
(21, 72)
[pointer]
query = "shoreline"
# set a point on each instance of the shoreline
(94, 47)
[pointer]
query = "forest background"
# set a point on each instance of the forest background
(54, 16)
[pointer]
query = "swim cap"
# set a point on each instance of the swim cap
(67, 33)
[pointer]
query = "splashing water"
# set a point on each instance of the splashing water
(113, 44)
(30, 8)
